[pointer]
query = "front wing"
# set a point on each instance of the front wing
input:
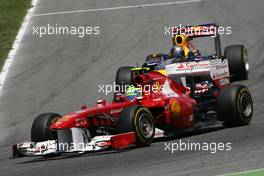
(98, 143)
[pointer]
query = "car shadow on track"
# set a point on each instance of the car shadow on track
(190, 133)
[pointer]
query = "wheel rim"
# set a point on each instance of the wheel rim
(246, 104)
(146, 126)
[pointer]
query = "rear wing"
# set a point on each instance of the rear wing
(203, 30)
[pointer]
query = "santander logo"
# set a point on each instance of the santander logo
(180, 66)
(192, 65)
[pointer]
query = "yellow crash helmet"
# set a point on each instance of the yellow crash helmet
(181, 41)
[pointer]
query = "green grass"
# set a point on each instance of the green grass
(259, 172)
(12, 13)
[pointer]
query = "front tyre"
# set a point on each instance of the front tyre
(139, 120)
(235, 105)
(40, 127)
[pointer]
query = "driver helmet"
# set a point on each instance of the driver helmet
(153, 58)
(180, 44)
(133, 92)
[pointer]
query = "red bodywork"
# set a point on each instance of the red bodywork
(170, 107)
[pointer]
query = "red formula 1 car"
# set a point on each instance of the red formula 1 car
(169, 101)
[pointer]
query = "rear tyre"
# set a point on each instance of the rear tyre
(124, 76)
(139, 120)
(235, 106)
(238, 62)
(40, 127)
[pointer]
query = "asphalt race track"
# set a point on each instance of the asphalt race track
(60, 73)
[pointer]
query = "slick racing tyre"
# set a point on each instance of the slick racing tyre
(235, 106)
(40, 127)
(238, 62)
(124, 76)
(139, 120)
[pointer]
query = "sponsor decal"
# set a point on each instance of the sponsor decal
(216, 68)
(219, 74)
(192, 65)
(215, 62)
(220, 70)
(188, 68)
(114, 111)
(175, 107)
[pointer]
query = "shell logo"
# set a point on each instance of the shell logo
(175, 107)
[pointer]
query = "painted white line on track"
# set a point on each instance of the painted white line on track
(30, 14)
(15, 46)
(117, 8)
(242, 172)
